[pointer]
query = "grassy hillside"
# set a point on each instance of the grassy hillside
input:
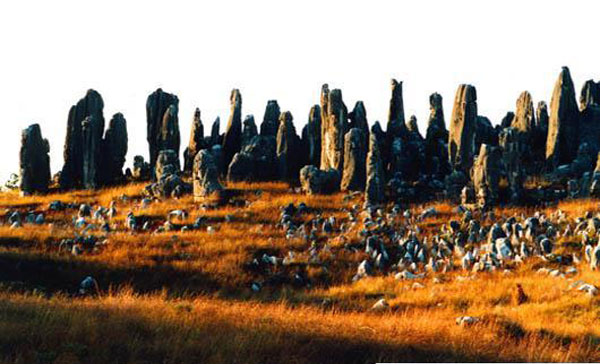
(186, 296)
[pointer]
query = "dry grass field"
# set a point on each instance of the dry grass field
(186, 296)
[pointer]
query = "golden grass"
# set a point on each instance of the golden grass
(189, 298)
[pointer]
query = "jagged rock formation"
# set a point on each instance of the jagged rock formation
(72, 174)
(215, 136)
(486, 174)
(563, 135)
(232, 140)
(311, 137)
(589, 122)
(374, 191)
(318, 182)
(114, 150)
(514, 147)
(355, 156)
(461, 141)
(169, 137)
(590, 94)
(270, 122)
(485, 133)
(334, 115)
(142, 170)
(196, 142)
(358, 118)
(167, 174)
(507, 120)
(538, 145)
(436, 139)
(249, 130)
(162, 129)
(288, 147)
(206, 175)
(257, 161)
(91, 133)
(166, 163)
(34, 161)
(396, 127)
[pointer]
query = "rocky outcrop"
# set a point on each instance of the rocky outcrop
(168, 136)
(333, 127)
(461, 142)
(485, 133)
(590, 94)
(486, 175)
(358, 118)
(91, 105)
(396, 127)
(589, 121)
(524, 120)
(436, 139)
(507, 120)
(166, 163)
(562, 141)
(288, 152)
(142, 171)
(196, 142)
(249, 130)
(206, 175)
(355, 156)
(270, 122)
(311, 137)
(318, 182)
(514, 147)
(167, 174)
(538, 145)
(257, 161)
(34, 161)
(160, 128)
(114, 150)
(232, 140)
(374, 190)
(91, 133)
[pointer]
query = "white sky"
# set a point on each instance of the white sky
(51, 52)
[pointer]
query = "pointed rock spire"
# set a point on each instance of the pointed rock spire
(461, 141)
(34, 161)
(232, 140)
(562, 142)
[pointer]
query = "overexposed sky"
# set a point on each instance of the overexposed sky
(51, 52)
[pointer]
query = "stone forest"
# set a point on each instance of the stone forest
(342, 242)
(472, 160)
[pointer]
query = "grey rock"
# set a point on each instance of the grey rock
(34, 161)
(355, 156)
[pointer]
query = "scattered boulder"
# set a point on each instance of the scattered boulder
(317, 182)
